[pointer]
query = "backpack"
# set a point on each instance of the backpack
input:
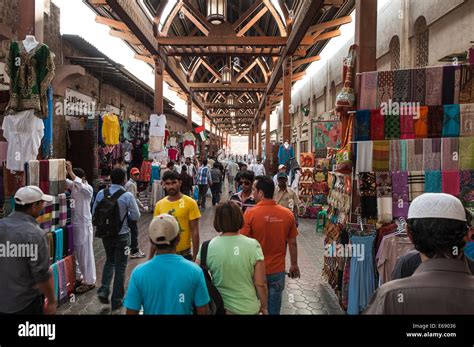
(216, 304)
(106, 217)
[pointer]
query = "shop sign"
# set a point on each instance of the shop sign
(76, 104)
(327, 117)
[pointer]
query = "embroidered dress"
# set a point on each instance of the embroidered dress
(30, 74)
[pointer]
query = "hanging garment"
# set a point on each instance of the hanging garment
(384, 87)
(145, 133)
(3, 153)
(416, 184)
(418, 86)
(364, 156)
(415, 155)
(127, 148)
(156, 144)
(450, 181)
(145, 171)
(392, 126)
(368, 91)
(451, 121)
(157, 125)
(173, 154)
(362, 131)
(450, 154)
(362, 276)
(24, 132)
(173, 141)
(377, 125)
(33, 173)
(70, 269)
(47, 142)
(467, 120)
(59, 244)
(434, 83)
(13, 180)
(433, 182)
(145, 151)
(384, 184)
(285, 154)
(155, 172)
(110, 129)
(448, 84)
(421, 123)
(435, 121)
(124, 127)
(30, 75)
(135, 129)
(189, 149)
(393, 247)
(53, 177)
(466, 149)
(407, 125)
(466, 89)
(401, 85)
(400, 193)
(381, 153)
(368, 194)
(398, 155)
(431, 154)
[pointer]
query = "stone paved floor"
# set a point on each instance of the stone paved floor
(306, 295)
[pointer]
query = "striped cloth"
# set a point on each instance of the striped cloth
(44, 176)
(416, 184)
(415, 155)
(467, 120)
(450, 153)
(381, 152)
(45, 220)
(33, 173)
(398, 155)
(62, 210)
(55, 214)
(431, 154)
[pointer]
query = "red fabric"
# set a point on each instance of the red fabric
(377, 125)
(70, 269)
(44, 176)
(187, 143)
(173, 154)
(145, 171)
(384, 230)
(451, 182)
(167, 135)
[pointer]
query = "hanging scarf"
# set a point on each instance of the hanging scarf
(434, 83)
(448, 85)
(466, 149)
(44, 175)
(377, 125)
(467, 188)
(416, 184)
(431, 154)
(450, 182)
(47, 141)
(433, 182)
(435, 121)
(466, 89)
(467, 120)
(384, 87)
(451, 120)
(368, 90)
(364, 156)
(407, 125)
(398, 155)
(400, 202)
(421, 123)
(384, 196)
(392, 127)
(33, 173)
(415, 155)
(418, 86)
(401, 85)
(450, 154)
(362, 132)
(381, 152)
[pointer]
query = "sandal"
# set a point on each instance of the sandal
(78, 283)
(84, 288)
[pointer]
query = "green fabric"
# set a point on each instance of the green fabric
(231, 261)
(145, 151)
(31, 74)
(466, 149)
(392, 127)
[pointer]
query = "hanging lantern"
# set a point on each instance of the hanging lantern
(226, 75)
(232, 114)
(216, 11)
(230, 100)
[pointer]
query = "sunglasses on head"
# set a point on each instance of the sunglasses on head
(246, 183)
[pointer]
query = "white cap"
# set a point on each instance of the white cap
(437, 205)
(281, 166)
(30, 194)
(163, 229)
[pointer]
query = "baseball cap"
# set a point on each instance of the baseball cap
(134, 171)
(282, 175)
(437, 205)
(163, 229)
(30, 194)
(281, 166)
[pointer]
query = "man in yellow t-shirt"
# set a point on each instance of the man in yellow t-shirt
(186, 212)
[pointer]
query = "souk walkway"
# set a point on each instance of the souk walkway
(306, 295)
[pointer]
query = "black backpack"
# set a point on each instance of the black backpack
(106, 217)
(217, 304)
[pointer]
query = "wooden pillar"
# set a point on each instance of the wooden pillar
(250, 140)
(26, 22)
(259, 136)
(287, 99)
(366, 35)
(158, 86)
(268, 148)
(203, 143)
(190, 113)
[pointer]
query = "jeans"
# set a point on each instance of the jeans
(133, 236)
(202, 195)
(216, 190)
(275, 285)
(116, 260)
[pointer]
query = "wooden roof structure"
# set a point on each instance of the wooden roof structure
(254, 41)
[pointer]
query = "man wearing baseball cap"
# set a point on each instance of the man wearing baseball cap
(28, 274)
(442, 284)
(281, 168)
(167, 283)
(131, 186)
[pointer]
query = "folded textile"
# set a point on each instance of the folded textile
(451, 121)
(431, 154)
(448, 84)
(55, 271)
(421, 123)
(62, 210)
(392, 126)
(53, 170)
(416, 184)
(33, 173)
(70, 268)
(55, 214)
(377, 125)
(59, 244)
(385, 80)
(381, 155)
(401, 85)
(362, 128)
(450, 153)
(398, 155)
(368, 91)
(364, 156)
(435, 121)
(418, 86)
(466, 153)
(434, 83)
(70, 237)
(415, 155)
(400, 200)
(62, 174)
(407, 126)
(384, 184)
(450, 182)
(467, 120)
(44, 176)
(433, 182)
(62, 283)
(384, 209)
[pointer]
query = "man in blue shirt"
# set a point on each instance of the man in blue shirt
(117, 248)
(168, 283)
(203, 181)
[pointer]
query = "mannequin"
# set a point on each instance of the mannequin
(285, 153)
(286, 144)
(30, 43)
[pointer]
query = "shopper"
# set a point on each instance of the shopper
(243, 168)
(168, 283)
(281, 168)
(259, 168)
(232, 169)
(186, 212)
(274, 228)
(186, 181)
(216, 187)
(131, 186)
(285, 196)
(442, 284)
(191, 168)
(203, 181)
(81, 195)
(236, 264)
(25, 280)
(116, 248)
(245, 199)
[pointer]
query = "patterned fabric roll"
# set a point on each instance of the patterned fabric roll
(421, 123)
(450, 154)
(392, 127)
(431, 154)
(450, 182)
(398, 155)
(362, 132)
(377, 125)
(434, 83)
(435, 121)
(451, 121)
(467, 120)
(400, 200)
(384, 87)
(433, 182)
(466, 149)
(381, 155)
(415, 155)
(416, 184)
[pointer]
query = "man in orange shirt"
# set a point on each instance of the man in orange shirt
(274, 227)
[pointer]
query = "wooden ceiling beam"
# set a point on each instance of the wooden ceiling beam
(127, 36)
(296, 64)
(115, 24)
(329, 24)
(310, 40)
(145, 58)
(245, 87)
(252, 22)
(211, 69)
(192, 17)
(213, 41)
(246, 70)
(246, 14)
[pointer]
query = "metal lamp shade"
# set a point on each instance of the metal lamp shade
(216, 11)
(226, 75)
